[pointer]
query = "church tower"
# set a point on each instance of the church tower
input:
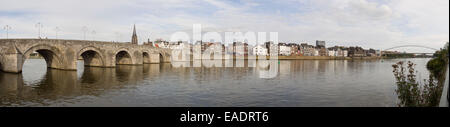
(134, 39)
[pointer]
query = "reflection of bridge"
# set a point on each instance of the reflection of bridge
(63, 54)
(59, 84)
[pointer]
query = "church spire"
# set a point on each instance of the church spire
(134, 36)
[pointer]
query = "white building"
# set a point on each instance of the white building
(345, 53)
(316, 52)
(331, 53)
(274, 50)
(285, 50)
(260, 50)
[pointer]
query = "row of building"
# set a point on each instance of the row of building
(271, 49)
(266, 49)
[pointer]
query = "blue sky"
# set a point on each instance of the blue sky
(369, 23)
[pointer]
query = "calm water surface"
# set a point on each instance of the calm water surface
(321, 83)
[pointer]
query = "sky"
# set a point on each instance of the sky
(378, 24)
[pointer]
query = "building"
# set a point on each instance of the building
(344, 53)
(356, 52)
(295, 49)
(322, 51)
(378, 53)
(307, 50)
(134, 39)
(272, 48)
(159, 43)
(331, 53)
(260, 50)
(148, 42)
(320, 44)
(240, 48)
(284, 49)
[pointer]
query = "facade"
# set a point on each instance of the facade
(260, 50)
(378, 53)
(284, 49)
(159, 43)
(149, 43)
(356, 52)
(344, 53)
(316, 52)
(307, 50)
(274, 50)
(322, 52)
(320, 44)
(331, 53)
(295, 49)
(240, 48)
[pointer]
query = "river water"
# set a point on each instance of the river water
(298, 83)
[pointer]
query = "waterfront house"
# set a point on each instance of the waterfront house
(260, 50)
(322, 51)
(295, 49)
(284, 49)
(240, 48)
(331, 53)
(356, 52)
(307, 50)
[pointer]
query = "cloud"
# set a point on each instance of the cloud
(369, 23)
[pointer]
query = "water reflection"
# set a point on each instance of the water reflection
(59, 84)
(296, 83)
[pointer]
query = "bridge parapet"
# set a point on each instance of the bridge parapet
(63, 54)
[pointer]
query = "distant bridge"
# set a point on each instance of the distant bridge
(63, 54)
(408, 53)
(402, 46)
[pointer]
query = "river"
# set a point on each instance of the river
(297, 83)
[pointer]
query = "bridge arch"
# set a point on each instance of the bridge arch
(163, 55)
(50, 54)
(416, 46)
(123, 57)
(146, 57)
(92, 56)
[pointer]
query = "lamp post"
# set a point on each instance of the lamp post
(93, 34)
(117, 36)
(39, 26)
(56, 30)
(84, 29)
(7, 28)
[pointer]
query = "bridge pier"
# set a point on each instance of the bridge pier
(11, 62)
(154, 58)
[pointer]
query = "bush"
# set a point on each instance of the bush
(410, 92)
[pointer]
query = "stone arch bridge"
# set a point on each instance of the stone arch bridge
(63, 54)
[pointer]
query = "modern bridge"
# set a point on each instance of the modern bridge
(413, 53)
(63, 54)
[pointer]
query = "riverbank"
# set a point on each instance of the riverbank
(323, 58)
(287, 58)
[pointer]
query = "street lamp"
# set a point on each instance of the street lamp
(117, 36)
(93, 34)
(39, 26)
(56, 30)
(7, 28)
(84, 29)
